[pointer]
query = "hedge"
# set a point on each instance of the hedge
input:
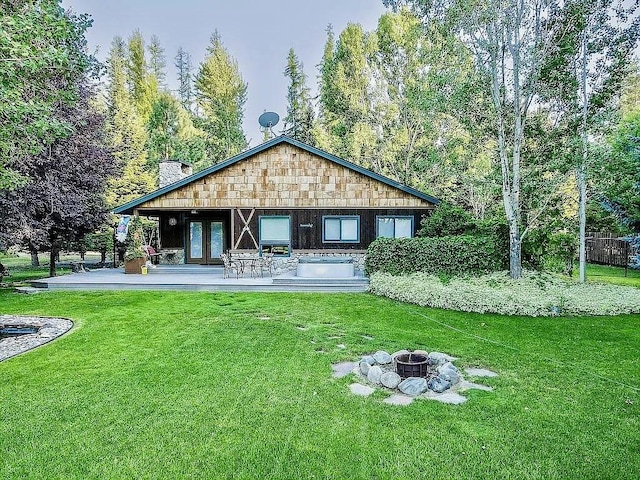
(453, 255)
(535, 294)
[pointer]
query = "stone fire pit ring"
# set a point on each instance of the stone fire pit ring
(419, 371)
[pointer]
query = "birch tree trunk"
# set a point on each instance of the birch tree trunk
(581, 174)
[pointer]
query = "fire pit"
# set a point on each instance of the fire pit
(412, 365)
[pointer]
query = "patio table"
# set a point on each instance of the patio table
(250, 262)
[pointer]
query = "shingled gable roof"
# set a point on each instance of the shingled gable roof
(127, 208)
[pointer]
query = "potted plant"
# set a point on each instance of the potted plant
(135, 256)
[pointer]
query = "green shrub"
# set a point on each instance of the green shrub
(135, 239)
(550, 251)
(101, 241)
(535, 294)
(447, 220)
(453, 255)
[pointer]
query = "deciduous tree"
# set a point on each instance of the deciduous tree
(64, 197)
(42, 49)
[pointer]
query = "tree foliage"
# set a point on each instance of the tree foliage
(389, 101)
(618, 178)
(157, 60)
(521, 47)
(300, 119)
(185, 79)
(42, 51)
(346, 113)
(172, 134)
(221, 94)
(64, 197)
(126, 132)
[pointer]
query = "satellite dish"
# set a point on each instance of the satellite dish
(269, 119)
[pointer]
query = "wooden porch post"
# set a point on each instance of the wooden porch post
(233, 230)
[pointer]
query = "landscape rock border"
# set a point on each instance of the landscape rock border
(48, 329)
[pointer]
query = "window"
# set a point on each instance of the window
(275, 235)
(395, 227)
(337, 229)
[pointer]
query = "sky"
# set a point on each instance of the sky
(257, 33)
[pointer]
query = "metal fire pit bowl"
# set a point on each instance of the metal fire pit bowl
(412, 365)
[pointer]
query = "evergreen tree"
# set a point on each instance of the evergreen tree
(347, 115)
(618, 178)
(126, 133)
(300, 118)
(142, 85)
(157, 61)
(136, 67)
(172, 134)
(185, 79)
(221, 94)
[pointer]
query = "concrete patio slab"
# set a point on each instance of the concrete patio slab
(187, 277)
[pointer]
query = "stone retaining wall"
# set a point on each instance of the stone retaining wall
(288, 264)
(172, 256)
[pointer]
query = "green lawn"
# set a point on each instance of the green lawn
(22, 271)
(213, 385)
(615, 275)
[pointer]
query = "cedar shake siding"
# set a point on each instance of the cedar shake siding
(284, 176)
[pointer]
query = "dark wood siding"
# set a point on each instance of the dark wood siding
(306, 226)
(172, 236)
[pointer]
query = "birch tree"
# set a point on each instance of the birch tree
(510, 40)
(606, 48)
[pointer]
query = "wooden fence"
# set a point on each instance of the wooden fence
(607, 249)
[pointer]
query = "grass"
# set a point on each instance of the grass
(22, 272)
(218, 385)
(614, 275)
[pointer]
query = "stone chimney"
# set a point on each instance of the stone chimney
(173, 170)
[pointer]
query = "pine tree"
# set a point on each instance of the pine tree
(299, 122)
(126, 133)
(185, 79)
(346, 104)
(142, 85)
(221, 94)
(157, 60)
(172, 134)
(136, 66)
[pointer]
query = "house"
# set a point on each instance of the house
(282, 197)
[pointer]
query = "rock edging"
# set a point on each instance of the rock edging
(48, 329)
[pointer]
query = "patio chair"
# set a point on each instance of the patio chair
(229, 266)
(265, 263)
(151, 253)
